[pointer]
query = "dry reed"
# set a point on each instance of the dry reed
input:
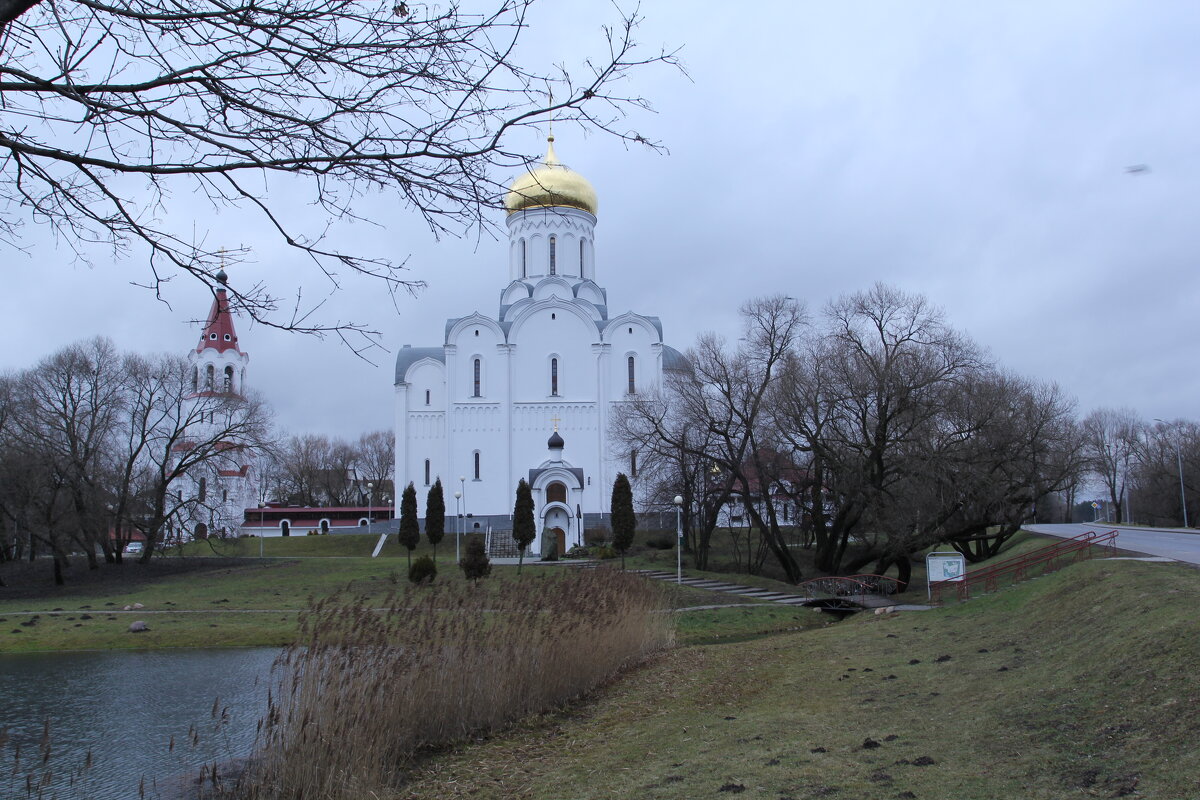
(365, 688)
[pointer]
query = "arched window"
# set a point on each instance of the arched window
(633, 463)
(477, 382)
(426, 397)
(553, 255)
(554, 376)
(556, 493)
(632, 376)
(476, 465)
(195, 378)
(242, 378)
(224, 495)
(202, 491)
(581, 258)
(208, 378)
(427, 472)
(228, 380)
(524, 268)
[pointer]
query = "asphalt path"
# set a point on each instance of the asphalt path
(1180, 544)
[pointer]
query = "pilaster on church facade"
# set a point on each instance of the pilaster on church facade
(552, 359)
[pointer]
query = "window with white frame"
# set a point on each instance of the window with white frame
(477, 378)
(554, 376)
(553, 255)
(631, 366)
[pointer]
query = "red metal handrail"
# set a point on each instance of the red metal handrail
(1017, 568)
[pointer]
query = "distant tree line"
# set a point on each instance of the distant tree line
(881, 427)
(1147, 468)
(96, 445)
(319, 470)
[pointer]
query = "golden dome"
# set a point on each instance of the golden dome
(551, 184)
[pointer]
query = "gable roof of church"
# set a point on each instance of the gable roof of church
(411, 355)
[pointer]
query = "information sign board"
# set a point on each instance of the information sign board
(944, 566)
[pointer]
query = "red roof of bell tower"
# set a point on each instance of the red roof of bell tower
(218, 333)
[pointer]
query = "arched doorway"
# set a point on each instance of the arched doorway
(324, 526)
(201, 531)
(285, 528)
(554, 524)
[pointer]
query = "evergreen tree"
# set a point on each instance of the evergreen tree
(435, 515)
(524, 527)
(475, 563)
(624, 521)
(410, 530)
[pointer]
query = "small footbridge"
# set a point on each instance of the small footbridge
(849, 593)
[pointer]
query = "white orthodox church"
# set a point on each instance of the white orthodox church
(529, 392)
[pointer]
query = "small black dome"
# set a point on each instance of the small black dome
(555, 442)
(222, 278)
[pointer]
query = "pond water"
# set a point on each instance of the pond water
(125, 708)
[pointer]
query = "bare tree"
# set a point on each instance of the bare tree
(1164, 477)
(716, 413)
(69, 411)
(377, 461)
(1111, 444)
(860, 401)
(189, 436)
(115, 110)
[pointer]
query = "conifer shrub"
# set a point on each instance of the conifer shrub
(475, 563)
(423, 570)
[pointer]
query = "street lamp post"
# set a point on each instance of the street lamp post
(370, 491)
(457, 523)
(678, 539)
(1179, 465)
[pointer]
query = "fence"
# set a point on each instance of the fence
(1029, 565)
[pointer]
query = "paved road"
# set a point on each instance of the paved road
(1177, 543)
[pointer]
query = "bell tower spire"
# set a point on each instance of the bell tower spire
(218, 362)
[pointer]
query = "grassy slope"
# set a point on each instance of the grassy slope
(1079, 684)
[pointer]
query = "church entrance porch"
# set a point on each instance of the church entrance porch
(554, 528)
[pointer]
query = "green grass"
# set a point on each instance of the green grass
(1075, 685)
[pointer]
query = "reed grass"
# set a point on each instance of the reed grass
(366, 688)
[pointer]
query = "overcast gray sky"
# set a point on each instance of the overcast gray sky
(975, 153)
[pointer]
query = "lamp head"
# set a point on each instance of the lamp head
(678, 500)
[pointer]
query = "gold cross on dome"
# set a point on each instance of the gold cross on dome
(555, 420)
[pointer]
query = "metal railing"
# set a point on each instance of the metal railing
(850, 587)
(1018, 568)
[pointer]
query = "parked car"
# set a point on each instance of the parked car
(135, 547)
